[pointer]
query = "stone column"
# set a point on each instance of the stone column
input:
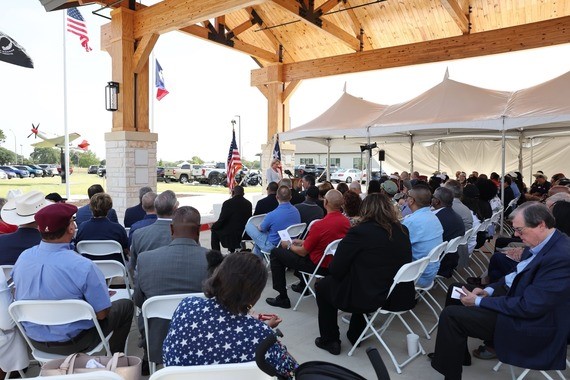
(131, 164)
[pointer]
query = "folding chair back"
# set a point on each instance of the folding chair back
(309, 277)
(256, 220)
(112, 269)
(453, 245)
(306, 232)
(296, 230)
(7, 269)
(436, 252)
(409, 272)
(55, 312)
(161, 307)
(102, 248)
(235, 371)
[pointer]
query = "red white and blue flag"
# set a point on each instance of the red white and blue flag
(161, 91)
(234, 162)
(76, 25)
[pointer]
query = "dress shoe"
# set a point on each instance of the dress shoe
(279, 302)
(333, 347)
(485, 353)
(145, 370)
(298, 287)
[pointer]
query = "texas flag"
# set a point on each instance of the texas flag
(161, 91)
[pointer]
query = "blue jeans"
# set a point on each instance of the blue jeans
(261, 240)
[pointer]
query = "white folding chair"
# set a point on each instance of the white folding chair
(102, 248)
(294, 232)
(235, 371)
(256, 220)
(526, 371)
(309, 277)
(112, 269)
(408, 273)
(56, 312)
(161, 307)
(434, 256)
(452, 247)
(7, 269)
(306, 232)
(463, 242)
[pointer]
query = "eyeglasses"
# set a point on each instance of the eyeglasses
(519, 230)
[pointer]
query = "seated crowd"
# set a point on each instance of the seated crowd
(517, 307)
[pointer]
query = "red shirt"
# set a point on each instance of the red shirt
(332, 227)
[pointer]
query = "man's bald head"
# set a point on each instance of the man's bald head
(334, 200)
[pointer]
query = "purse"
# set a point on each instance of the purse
(128, 367)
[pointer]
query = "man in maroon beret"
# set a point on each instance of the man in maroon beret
(53, 271)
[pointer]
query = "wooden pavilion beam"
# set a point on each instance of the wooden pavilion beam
(529, 36)
(269, 34)
(356, 26)
(312, 20)
(458, 15)
(169, 15)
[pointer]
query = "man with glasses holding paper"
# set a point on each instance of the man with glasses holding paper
(524, 313)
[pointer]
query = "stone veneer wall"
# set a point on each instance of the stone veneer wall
(131, 164)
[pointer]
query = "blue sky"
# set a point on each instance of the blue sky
(208, 85)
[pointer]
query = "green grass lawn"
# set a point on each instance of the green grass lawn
(80, 181)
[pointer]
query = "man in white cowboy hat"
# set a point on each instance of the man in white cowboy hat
(20, 211)
(540, 186)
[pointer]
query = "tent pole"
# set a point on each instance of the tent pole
(411, 153)
(531, 156)
(328, 159)
(368, 169)
(521, 139)
(439, 156)
(503, 143)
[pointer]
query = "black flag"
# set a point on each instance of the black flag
(12, 52)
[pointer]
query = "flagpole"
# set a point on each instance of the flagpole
(65, 165)
(151, 90)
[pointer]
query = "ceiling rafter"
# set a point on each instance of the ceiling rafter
(269, 34)
(206, 34)
(458, 15)
(527, 36)
(328, 6)
(356, 26)
(308, 16)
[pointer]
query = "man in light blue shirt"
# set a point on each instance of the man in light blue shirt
(425, 229)
(266, 236)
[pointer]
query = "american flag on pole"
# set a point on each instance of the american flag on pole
(161, 91)
(234, 162)
(76, 25)
(277, 153)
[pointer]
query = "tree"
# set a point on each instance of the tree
(197, 160)
(6, 156)
(86, 159)
(2, 136)
(45, 155)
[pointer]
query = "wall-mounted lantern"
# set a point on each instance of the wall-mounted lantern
(112, 96)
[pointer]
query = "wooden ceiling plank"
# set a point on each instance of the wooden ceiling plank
(169, 15)
(529, 36)
(249, 49)
(143, 50)
(356, 26)
(328, 6)
(269, 34)
(332, 29)
(457, 14)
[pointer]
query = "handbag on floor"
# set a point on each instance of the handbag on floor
(128, 367)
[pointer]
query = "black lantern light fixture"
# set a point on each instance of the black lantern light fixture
(112, 96)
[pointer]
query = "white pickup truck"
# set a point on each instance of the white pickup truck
(213, 174)
(183, 174)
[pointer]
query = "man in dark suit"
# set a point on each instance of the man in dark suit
(442, 201)
(136, 213)
(269, 203)
(229, 227)
(524, 313)
(157, 234)
(84, 212)
(179, 267)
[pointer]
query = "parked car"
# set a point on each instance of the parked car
(102, 171)
(92, 169)
(50, 167)
(9, 172)
(19, 172)
(45, 172)
(160, 174)
(3, 174)
(33, 172)
(347, 176)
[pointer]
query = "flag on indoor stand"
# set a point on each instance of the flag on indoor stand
(234, 162)
(76, 25)
(161, 91)
(277, 154)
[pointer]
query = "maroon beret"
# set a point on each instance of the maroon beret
(54, 217)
